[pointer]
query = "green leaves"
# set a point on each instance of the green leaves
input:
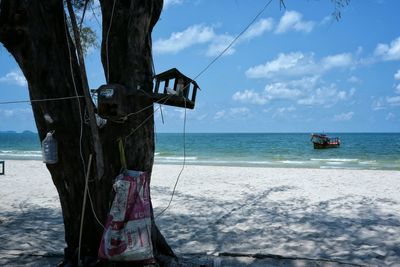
(88, 39)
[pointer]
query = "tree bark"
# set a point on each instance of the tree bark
(35, 33)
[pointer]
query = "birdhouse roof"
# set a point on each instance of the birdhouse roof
(173, 74)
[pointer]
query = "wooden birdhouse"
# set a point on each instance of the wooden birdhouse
(112, 101)
(171, 88)
(175, 89)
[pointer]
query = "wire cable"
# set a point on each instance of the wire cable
(108, 34)
(197, 76)
(84, 206)
(234, 40)
(76, 93)
(83, 15)
(183, 166)
(80, 138)
(134, 113)
(93, 211)
(41, 100)
(95, 16)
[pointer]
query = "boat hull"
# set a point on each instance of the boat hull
(326, 145)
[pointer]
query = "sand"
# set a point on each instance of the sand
(348, 216)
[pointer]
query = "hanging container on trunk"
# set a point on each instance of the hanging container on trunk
(49, 149)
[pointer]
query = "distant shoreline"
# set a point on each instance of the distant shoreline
(357, 151)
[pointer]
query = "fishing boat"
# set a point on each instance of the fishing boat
(324, 141)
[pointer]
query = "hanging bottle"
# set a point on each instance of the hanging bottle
(49, 149)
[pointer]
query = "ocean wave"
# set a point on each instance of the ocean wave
(261, 162)
(298, 162)
(368, 162)
(20, 152)
(336, 159)
(339, 167)
(17, 154)
(175, 158)
(335, 162)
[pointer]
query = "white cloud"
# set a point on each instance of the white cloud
(292, 64)
(390, 116)
(240, 112)
(354, 79)
(325, 96)
(275, 91)
(281, 112)
(310, 91)
(344, 116)
(12, 113)
(389, 51)
(233, 114)
(259, 28)
(168, 3)
(327, 19)
(14, 77)
(18, 119)
(384, 103)
(299, 64)
(397, 75)
(394, 100)
(201, 34)
(293, 20)
(337, 61)
(178, 41)
(249, 96)
(201, 117)
(219, 44)
(397, 89)
(378, 104)
(219, 114)
(282, 90)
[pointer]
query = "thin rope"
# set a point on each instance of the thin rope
(141, 124)
(80, 143)
(84, 206)
(183, 166)
(83, 15)
(198, 75)
(143, 109)
(76, 94)
(151, 115)
(162, 115)
(108, 34)
(94, 15)
(81, 132)
(41, 100)
(93, 211)
(234, 40)
(144, 121)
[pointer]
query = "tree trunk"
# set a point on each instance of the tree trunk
(34, 32)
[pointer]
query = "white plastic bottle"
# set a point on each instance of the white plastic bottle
(49, 149)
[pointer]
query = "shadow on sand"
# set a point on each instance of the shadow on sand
(352, 229)
(31, 236)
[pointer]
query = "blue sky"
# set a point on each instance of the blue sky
(294, 70)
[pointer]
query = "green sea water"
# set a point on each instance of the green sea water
(357, 151)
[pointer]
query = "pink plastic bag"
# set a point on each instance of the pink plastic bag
(127, 235)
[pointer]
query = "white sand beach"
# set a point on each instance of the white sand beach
(349, 216)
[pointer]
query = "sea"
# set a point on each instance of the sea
(370, 151)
